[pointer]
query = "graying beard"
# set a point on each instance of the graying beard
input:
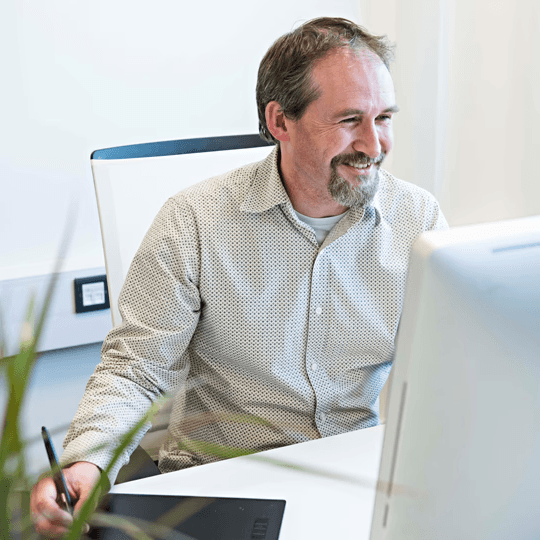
(352, 196)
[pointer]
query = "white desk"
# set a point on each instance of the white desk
(317, 507)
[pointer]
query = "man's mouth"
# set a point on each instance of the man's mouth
(361, 168)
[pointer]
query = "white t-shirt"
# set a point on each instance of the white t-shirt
(321, 226)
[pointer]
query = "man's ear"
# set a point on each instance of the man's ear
(277, 121)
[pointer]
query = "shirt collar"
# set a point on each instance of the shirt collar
(267, 190)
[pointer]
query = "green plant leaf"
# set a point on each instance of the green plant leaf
(102, 486)
(17, 370)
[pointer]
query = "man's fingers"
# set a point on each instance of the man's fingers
(44, 488)
(48, 518)
(51, 521)
(50, 529)
(43, 501)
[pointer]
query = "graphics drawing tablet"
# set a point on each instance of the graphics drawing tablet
(200, 518)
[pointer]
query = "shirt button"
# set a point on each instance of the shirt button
(314, 366)
(318, 311)
(322, 417)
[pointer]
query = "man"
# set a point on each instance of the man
(273, 292)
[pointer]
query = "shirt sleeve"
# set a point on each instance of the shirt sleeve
(146, 356)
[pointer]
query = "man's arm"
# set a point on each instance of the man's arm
(145, 357)
(142, 359)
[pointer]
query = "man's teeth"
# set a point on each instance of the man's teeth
(359, 166)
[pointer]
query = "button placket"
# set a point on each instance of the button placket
(313, 359)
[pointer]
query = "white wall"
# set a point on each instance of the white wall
(87, 76)
(83, 76)
(467, 80)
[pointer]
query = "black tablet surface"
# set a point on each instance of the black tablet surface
(202, 518)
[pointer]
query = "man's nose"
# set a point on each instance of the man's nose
(367, 140)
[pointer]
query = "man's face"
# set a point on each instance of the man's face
(344, 135)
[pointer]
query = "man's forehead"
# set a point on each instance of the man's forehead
(346, 71)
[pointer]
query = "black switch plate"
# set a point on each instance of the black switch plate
(91, 294)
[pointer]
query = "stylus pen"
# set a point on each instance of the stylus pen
(58, 476)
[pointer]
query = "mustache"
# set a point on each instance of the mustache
(358, 158)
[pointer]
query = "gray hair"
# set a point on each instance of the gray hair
(285, 71)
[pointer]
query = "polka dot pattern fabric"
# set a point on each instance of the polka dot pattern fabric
(263, 337)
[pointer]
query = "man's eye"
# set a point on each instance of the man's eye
(349, 120)
(385, 117)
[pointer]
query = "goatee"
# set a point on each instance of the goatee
(347, 194)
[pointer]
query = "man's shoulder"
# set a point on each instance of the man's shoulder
(404, 201)
(395, 187)
(231, 186)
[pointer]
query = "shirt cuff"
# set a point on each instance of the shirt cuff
(96, 449)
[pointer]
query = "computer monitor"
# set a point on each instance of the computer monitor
(461, 454)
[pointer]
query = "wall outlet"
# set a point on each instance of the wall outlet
(91, 294)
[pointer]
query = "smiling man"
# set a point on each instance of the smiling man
(330, 156)
(267, 299)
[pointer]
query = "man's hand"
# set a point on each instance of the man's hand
(49, 518)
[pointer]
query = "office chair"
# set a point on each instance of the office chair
(132, 183)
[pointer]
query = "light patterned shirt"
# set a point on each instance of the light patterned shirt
(231, 304)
